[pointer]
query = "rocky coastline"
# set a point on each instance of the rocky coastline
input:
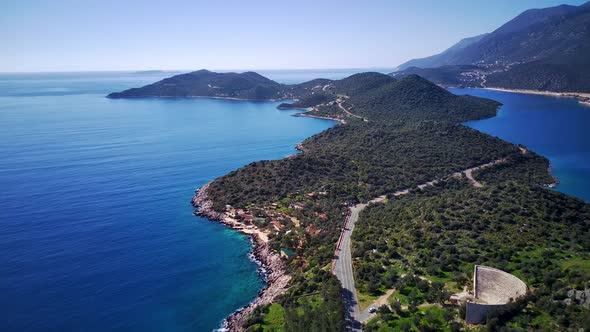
(555, 182)
(275, 275)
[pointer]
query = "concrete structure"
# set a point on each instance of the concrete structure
(493, 289)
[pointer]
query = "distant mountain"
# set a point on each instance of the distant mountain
(448, 75)
(204, 83)
(251, 85)
(540, 49)
(152, 71)
(443, 58)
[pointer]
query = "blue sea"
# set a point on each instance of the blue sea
(555, 127)
(96, 229)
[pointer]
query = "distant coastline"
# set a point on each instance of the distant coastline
(203, 97)
(583, 98)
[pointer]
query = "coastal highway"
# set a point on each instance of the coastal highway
(342, 264)
(343, 271)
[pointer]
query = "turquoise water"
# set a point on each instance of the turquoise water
(557, 128)
(96, 229)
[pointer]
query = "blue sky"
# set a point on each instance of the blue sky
(70, 35)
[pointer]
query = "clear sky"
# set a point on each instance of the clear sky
(72, 35)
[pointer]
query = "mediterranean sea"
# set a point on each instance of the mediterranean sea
(96, 229)
(555, 127)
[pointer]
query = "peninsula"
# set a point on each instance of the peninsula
(440, 198)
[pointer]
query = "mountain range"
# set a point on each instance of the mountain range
(540, 49)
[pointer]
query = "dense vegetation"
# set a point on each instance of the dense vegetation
(539, 235)
(423, 245)
(415, 99)
(358, 162)
(358, 84)
(302, 310)
(410, 138)
(527, 168)
(309, 101)
(204, 83)
(544, 76)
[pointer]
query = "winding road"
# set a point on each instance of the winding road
(342, 263)
(340, 101)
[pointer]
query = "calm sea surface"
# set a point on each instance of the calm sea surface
(557, 128)
(96, 229)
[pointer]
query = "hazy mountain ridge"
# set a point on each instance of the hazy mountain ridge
(441, 58)
(540, 49)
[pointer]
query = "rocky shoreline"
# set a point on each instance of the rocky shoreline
(275, 276)
(555, 182)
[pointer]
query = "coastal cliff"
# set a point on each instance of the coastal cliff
(275, 275)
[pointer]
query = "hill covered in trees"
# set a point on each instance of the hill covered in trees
(251, 85)
(411, 134)
(204, 83)
(439, 234)
(399, 133)
(541, 49)
(412, 122)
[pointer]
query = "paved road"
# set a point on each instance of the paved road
(342, 265)
(348, 112)
(343, 270)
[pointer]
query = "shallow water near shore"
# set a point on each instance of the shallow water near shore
(96, 229)
(555, 127)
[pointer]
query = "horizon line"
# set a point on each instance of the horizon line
(188, 70)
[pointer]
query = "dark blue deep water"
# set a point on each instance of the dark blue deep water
(557, 128)
(96, 229)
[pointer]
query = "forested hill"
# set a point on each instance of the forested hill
(541, 49)
(396, 134)
(378, 97)
(414, 98)
(251, 85)
(408, 139)
(204, 83)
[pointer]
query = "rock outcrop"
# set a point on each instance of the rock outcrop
(273, 267)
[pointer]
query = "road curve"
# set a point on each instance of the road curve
(340, 101)
(342, 263)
